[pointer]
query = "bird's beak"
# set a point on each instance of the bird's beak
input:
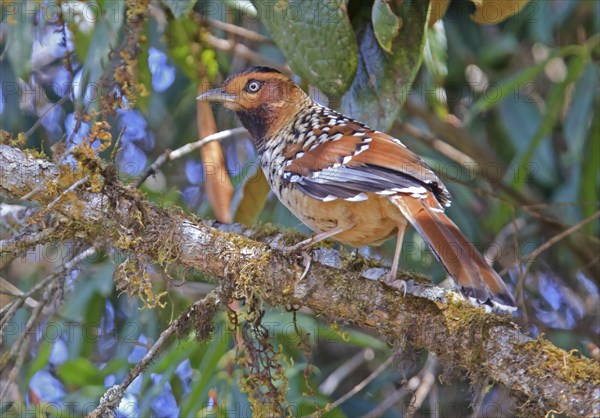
(218, 95)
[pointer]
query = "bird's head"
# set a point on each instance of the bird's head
(263, 98)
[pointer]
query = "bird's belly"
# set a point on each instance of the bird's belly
(369, 221)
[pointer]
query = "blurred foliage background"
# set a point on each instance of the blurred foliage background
(500, 97)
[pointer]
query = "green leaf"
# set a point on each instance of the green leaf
(580, 115)
(283, 325)
(112, 13)
(435, 55)
(551, 116)
(385, 24)
(19, 43)
(144, 75)
(187, 51)
(179, 7)
(92, 51)
(316, 38)
(589, 189)
(115, 365)
(383, 80)
(523, 119)
(212, 352)
(79, 372)
(40, 360)
(505, 88)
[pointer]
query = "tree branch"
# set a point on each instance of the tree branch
(541, 376)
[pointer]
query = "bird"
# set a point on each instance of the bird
(351, 183)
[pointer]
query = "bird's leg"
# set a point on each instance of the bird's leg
(318, 238)
(313, 240)
(391, 279)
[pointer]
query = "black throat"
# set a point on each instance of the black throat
(256, 121)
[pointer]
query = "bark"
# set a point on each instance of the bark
(539, 375)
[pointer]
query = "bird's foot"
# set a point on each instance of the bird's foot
(302, 245)
(306, 258)
(398, 284)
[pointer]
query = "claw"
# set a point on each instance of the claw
(398, 284)
(307, 261)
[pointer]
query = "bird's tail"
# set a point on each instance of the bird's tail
(476, 279)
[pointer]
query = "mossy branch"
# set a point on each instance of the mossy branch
(539, 375)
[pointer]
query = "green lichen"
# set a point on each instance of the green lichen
(35, 153)
(7, 138)
(353, 261)
(572, 368)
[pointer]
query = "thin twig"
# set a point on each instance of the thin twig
(113, 154)
(12, 290)
(455, 136)
(23, 241)
(186, 149)
(330, 384)
(14, 372)
(360, 386)
(112, 397)
(244, 52)
(240, 31)
(6, 48)
(38, 122)
(427, 380)
(478, 398)
(24, 340)
(559, 237)
(388, 402)
(32, 193)
(69, 189)
(413, 385)
(219, 136)
(494, 250)
(64, 269)
(437, 144)
(51, 296)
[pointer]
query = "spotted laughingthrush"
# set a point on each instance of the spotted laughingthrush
(351, 183)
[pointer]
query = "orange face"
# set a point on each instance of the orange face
(253, 88)
(263, 98)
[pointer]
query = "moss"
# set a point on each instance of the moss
(356, 262)
(7, 138)
(460, 315)
(160, 230)
(201, 318)
(290, 236)
(264, 231)
(34, 153)
(555, 361)
(132, 276)
(250, 270)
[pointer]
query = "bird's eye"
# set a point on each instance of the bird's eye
(253, 86)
